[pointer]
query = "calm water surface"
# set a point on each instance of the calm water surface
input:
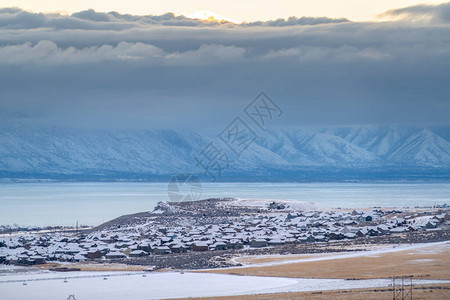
(93, 203)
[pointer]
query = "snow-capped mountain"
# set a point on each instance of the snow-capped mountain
(424, 148)
(164, 152)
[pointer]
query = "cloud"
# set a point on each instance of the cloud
(96, 69)
(436, 14)
(48, 53)
(91, 15)
(292, 21)
(207, 55)
(350, 43)
(308, 54)
(15, 18)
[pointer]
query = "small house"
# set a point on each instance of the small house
(235, 244)
(310, 239)
(199, 246)
(94, 254)
(258, 243)
(115, 255)
(178, 248)
(161, 250)
(430, 225)
(138, 253)
(219, 246)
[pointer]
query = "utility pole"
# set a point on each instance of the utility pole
(400, 292)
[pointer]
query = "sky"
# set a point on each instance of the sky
(237, 10)
(115, 64)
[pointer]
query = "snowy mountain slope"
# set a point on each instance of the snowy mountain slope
(82, 151)
(331, 150)
(379, 140)
(277, 142)
(424, 148)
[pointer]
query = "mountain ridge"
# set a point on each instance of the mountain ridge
(51, 150)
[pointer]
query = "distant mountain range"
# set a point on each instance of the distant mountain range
(341, 153)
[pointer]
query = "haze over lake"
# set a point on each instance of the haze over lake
(41, 204)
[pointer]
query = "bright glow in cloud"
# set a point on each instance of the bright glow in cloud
(210, 16)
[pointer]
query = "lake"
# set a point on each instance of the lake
(42, 204)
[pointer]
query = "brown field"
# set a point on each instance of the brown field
(254, 259)
(427, 263)
(275, 258)
(419, 292)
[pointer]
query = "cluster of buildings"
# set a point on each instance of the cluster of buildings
(245, 231)
(7, 229)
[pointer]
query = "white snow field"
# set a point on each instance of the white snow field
(120, 285)
(290, 204)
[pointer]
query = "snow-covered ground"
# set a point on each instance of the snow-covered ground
(120, 285)
(141, 285)
(290, 204)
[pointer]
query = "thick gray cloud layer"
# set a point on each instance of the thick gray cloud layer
(111, 70)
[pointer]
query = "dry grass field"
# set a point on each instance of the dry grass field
(438, 292)
(427, 263)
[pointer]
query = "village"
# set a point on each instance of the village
(216, 226)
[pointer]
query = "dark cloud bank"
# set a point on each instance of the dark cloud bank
(86, 96)
(109, 70)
